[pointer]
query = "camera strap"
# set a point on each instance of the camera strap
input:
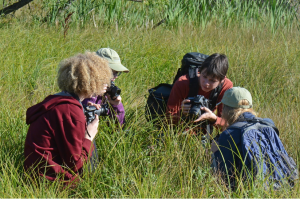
(214, 96)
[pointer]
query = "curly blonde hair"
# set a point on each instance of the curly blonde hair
(84, 74)
(230, 114)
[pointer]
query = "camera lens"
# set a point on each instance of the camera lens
(195, 110)
(103, 111)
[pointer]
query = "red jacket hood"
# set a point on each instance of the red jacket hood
(49, 102)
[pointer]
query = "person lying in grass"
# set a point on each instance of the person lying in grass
(250, 145)
(212, 74)
(59, 141)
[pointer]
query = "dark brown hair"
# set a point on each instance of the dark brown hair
(216, 65)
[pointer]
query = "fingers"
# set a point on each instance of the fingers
(202, 117)
(185, 107)
(92, 128)
(115, 101)
(96, 120)
(98, 106)
(208, 115)
(185, 101)
(205, 109)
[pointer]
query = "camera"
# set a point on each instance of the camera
(90, 111)
(113, 91)
(197, 103)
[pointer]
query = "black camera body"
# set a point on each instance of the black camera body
(90, 111)
(197, 103)
(113, 91)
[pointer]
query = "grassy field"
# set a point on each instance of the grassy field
(133, 163)
(136, 165)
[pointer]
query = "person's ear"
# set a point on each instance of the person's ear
(222, 81)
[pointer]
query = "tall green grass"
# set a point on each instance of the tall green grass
(134, 163)
(175, 13)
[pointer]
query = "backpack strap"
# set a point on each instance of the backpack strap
(245, 124)
(194, 82)
(179, 73)
(261, 121)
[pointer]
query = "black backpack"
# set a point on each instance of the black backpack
(158, 96)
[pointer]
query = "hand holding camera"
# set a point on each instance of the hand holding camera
(207, 115)
(197, 107)
(113, 91)
(92, 112)
(185, 107)
(115, 101)
(92, 129)
(113, 94)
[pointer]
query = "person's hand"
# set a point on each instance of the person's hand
(92, 129)
(214, 146)
(208, 115)
(98, 106)
(185, 108)
(115, 101)
(104, 89)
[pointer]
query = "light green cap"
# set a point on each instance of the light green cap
(233, 96)
(113, 59)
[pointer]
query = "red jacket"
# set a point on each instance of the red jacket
(55, 144)
(180, 92)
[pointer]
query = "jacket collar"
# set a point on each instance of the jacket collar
(245, 116)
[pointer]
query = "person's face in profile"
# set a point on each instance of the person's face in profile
(116, 74)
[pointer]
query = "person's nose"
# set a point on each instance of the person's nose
(206, 82)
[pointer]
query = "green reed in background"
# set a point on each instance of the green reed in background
(148, 14)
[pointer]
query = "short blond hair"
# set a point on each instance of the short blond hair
(84, 74)
(230, 114)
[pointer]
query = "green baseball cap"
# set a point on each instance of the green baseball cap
(233, 96)
(113, 59)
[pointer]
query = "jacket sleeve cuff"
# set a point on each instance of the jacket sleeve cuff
(219, 122)
(88, 146)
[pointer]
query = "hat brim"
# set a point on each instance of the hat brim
(118, 67)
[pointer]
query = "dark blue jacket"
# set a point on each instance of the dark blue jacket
(230, 142)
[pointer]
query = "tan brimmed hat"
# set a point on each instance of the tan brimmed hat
(233, 96)
(113, 59)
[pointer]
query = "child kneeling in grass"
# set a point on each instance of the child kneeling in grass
(58, 140)
(250, 145)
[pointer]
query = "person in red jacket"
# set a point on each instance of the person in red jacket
(58, 141)
(212, 73)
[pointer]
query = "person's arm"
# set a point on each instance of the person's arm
(219, 121)
(116, 107)
(229, 143)
(178, 93)
(73, 145)
(118, 111)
